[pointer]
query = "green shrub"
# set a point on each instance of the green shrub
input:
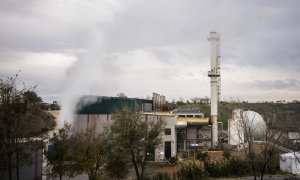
(161, 176)
(116, 166)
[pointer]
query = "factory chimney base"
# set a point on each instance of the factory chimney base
(214, 130)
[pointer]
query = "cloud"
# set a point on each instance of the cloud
(52, 26)
(137, 73)
(44, 70)
(140, 46)
(291, 84)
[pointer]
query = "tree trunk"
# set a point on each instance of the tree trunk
(253, 171)
(9, 167)
(253, 166)
(143, 165)
(92, 175)
(142, 172)
(9, 153)
(251, 159)
(17, 162)
(263, 169)
(250, 140)
(135, 165)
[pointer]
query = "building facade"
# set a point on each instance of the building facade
(184, 131)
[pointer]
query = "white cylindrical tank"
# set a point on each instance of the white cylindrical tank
(256, 123)
(243, 121)
(235, 132)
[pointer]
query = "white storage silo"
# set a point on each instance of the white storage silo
(243, 121)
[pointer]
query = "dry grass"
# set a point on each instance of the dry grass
(215, 155)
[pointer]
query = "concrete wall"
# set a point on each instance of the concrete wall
(88, 120)
(170, 123)
(29, 171)
(82, 121)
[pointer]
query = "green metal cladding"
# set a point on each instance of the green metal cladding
(107, 105)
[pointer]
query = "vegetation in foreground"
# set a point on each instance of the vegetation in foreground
(205, 167)
(110, 155)
(126, 141)
(22, 125)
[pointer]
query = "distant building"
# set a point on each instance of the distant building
(55, 105)
(294, 137)
(158, 101)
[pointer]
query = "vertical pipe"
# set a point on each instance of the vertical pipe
(185, 139)
(214, 74)
(36, 176)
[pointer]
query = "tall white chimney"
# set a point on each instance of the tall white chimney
(214, 75)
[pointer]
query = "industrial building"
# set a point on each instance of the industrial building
(185, 130)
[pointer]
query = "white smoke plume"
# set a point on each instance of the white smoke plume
(87, 76)
(118, 60)
(137, 73)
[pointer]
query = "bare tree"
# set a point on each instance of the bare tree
(121, 95)
(195, 100)
(258, 139)
(180, 101)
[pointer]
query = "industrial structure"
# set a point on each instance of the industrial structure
(242, 121)
(185, 129)
(215, 82)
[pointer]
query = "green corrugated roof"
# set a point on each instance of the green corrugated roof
(107, 105)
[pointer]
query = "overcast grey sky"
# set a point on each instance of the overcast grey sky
(74, 47)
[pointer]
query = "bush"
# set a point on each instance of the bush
(202, 155)
(238, 167)
(161, 176)
(216, 168)
(273, 166)
(226, 154)
(116, 165)
(173, 160)
(191, 171)
(227, 167)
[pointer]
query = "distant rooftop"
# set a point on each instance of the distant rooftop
(187, 110)
(107, 105)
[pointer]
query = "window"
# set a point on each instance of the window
(168, 131)
(189, 116)
(181, 116)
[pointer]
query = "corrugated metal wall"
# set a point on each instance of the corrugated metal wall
(108, 105)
